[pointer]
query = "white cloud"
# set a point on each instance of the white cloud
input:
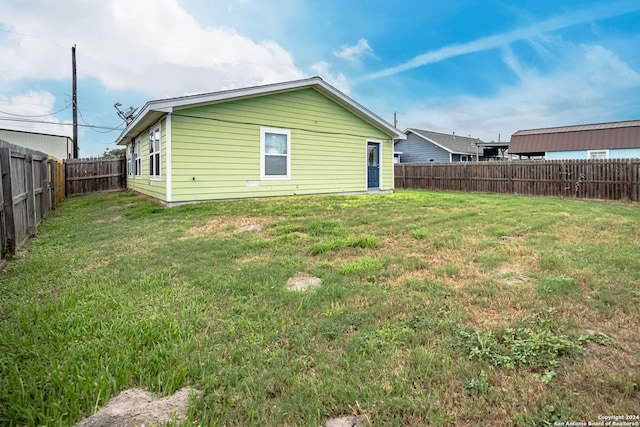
(154, 47)
(594, 13)
(590, 84)
(352, 54)
(340, 81)
(33, 108)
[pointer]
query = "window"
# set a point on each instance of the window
(130, 160)
(275, 149)
(597, 154)
(154, 153)
(138, 159)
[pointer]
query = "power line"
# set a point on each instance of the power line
(57, 42)
(59, 123)
(40, 115)
(92, 127)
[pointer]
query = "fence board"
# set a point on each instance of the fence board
(83, 176)
(56, 181)
(613, 179)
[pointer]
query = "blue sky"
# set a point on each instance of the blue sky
(479, 68)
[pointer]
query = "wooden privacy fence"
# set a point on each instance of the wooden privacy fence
(84, 176)
(617, 179)
(56, 181)
(26, 195)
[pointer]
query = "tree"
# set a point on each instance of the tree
(114, 152)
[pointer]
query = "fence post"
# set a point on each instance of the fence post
(51, 169)
(629, 186)
(7, 192)
(431, 176)
(563, 179)
(45, 196)
(404, 176)
(31, 196)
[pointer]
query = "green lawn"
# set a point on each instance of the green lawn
(435, 309)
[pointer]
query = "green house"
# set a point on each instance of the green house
(298, 137)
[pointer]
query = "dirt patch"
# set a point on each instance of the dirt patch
(348, 421)
(104, 221)
(228, 225)
(247, 228)
(302, 282)
(513, 275)
(138, 407)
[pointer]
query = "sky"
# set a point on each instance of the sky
(480, 68)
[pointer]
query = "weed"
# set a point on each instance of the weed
(478, 386)
(556, 286)
(419, 234)
(535, 343)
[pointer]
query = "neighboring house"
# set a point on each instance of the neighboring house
(614, 140)
(55, 145)
(425, 146)
(298, 137)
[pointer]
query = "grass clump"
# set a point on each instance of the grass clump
(364, 266)
(337, 243)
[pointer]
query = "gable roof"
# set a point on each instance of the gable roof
(624, 134)
(450, 142)
(154, 110)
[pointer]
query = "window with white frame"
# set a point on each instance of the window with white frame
(130, 160)
(154, 153)
(275, 153)
(597, 154)
(138, 158)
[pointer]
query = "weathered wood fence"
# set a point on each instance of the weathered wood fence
(56, 180)
(26, 195)
(617, 179)
(84, 176)
(34, 183)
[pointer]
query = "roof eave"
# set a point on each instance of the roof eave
(165, 106)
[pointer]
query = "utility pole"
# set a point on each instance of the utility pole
(74, 100)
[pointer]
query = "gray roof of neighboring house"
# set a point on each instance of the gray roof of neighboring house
(596, 136)
(453, 143)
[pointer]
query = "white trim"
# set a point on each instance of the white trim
(263, 132)
(138, 156)
(590, 152)
(152, 132)
(130, 159)
(380, 166)
(167, 156)
(393, 166)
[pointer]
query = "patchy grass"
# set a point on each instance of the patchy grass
(434, 309)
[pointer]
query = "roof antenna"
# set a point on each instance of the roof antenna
(126, 115)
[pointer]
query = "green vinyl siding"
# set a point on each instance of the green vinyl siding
(216, 148)
(144, 184)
